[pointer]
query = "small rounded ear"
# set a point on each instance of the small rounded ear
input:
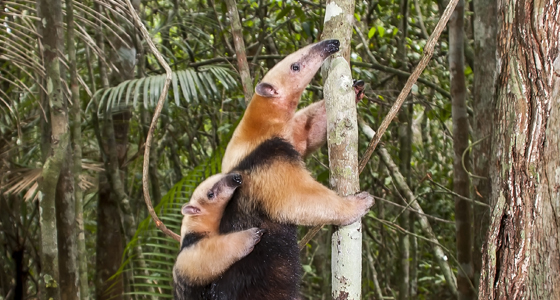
(190, 210)
(266, 90)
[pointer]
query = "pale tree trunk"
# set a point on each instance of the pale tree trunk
(76, 145)
(461, 181)
(342, 137)
(485, 76)
(521, 259)
(50, 12)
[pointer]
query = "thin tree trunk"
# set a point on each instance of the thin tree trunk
(461, 181)
(484, 92)
(66, 228)
(171, 143)
(65, 195)
(109, 233)
(116, 134)
(413, 260)
(109, 245)
(76, 135)
(237, 32)
(50, 11)
(342, 137)
(405, 153)
(521, 259)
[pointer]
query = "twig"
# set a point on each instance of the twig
(457, 195)
(365, 43)
(401, 73)
(308, 236)
(469, 148)
(157, 112)
(428, 52)
(413, 210)
(435, 242)
(420, 19)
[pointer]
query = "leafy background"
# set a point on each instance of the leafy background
(203, 106)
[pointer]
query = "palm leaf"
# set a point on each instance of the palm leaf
(190, 82)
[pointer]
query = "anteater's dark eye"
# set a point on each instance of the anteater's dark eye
(295, 67)
(210, 195)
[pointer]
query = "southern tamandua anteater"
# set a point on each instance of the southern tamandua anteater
(205, 254)
(278, 192)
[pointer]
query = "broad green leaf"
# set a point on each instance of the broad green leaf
(371, 32)
(381, 30)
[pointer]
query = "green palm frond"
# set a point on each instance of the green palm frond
(160, 251)
(195, 86)
(19, 36)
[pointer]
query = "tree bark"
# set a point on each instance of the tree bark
(76, 146)
(405, 153)
(110, 238)
(461, 181)
(50, 11)
(66, 229)
(484, 92)
(237, 32)
(342, 137)
(521, 259)
(109, 245)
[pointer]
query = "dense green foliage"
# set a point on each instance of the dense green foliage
(204, 104)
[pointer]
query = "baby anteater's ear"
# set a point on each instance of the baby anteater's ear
(188, 209)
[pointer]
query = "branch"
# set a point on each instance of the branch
(157, 112)
(428, 52)
(237, 32)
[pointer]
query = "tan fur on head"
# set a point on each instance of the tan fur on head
(206, 212)
(289, 78)
(275, 101)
